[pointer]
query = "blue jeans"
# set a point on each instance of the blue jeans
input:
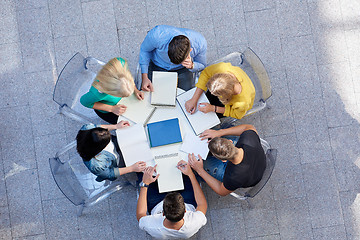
(215, 167)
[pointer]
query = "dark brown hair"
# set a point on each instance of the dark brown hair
(92, 141)
(179, 48)
(174, 207)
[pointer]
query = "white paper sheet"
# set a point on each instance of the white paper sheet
(137, 110)
(134, 145)
(164, 84)
(193, 144)
(170, 178)
(199, 121)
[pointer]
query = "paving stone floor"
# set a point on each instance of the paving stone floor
(311, 49)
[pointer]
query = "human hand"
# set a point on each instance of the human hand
(148, 175)
(118, 109)
(184, 168)
(146, 84)
(122, 124)
(190, 105)
(195, 164)
(209, 134)
(206, 107)
(139, 95)
(188, 63)
(138, 166)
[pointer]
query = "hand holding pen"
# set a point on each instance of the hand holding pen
(184, 167)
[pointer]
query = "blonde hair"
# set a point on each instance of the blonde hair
(222, 148)
(115, 79)
(222, 86)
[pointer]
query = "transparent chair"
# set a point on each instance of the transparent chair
(77, 183)
(246, 193)
(75, 79)
(255, 69)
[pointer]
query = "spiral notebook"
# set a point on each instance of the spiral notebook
(165, 86)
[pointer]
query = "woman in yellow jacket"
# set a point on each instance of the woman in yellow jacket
(227, 83)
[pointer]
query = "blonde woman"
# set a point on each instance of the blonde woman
(113, 82)
(231, 92)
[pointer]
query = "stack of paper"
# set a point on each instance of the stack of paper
(199, 121)
(165, 85)
(130, 140)
(138, 111)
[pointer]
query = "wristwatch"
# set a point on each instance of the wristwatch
(142, 184)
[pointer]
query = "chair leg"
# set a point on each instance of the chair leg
(81, 209)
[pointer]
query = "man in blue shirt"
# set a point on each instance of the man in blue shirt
(168, 48)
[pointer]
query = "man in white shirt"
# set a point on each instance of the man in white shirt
(171, 217)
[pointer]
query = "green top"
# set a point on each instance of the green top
(94, 95)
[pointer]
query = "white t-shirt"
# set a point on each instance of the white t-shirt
(153, 224)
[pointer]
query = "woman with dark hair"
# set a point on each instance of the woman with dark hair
(101, 153)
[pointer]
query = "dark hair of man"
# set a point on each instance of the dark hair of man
(179, 48)
(174, 207)
(91, 142)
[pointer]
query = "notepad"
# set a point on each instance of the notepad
(130, 140)
(199, 121)
(164, 132)
(194, 144)
(165, 85)
(170, 178)
(138, 111)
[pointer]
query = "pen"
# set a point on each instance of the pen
(181, 165)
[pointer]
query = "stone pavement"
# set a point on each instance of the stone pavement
(311, 49)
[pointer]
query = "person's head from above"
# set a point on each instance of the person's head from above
(115, 79)
(174, 207)
(224, 86)
(179, 49)
(223, 149)
(91, 142)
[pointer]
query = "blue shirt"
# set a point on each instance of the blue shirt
(156, 43)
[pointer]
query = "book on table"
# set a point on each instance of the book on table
(138, 111)
(165, 87)
(164, 132)
(199, 121)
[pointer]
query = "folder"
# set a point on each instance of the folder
(164, 132)
(165, 86)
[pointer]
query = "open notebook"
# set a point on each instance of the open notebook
(199, 121)
(165, 86)
(138, 111)
(170, 178)
(130, 140)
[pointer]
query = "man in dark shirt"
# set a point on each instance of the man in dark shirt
(231, 167)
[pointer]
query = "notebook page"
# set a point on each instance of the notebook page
(164, 84)
(170, 178)
(199, 121)
(130, 140)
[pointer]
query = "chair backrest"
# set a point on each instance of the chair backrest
(270, 164)
(76, 182)
(74, 80)
(255, 69)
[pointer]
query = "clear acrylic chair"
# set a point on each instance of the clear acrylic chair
(77, 183)
(246, 193)
(255, 69)
(75, 79)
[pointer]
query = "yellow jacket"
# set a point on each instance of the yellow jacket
(240, 103)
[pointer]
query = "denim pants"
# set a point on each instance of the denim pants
(215, 167)
(185, 77)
